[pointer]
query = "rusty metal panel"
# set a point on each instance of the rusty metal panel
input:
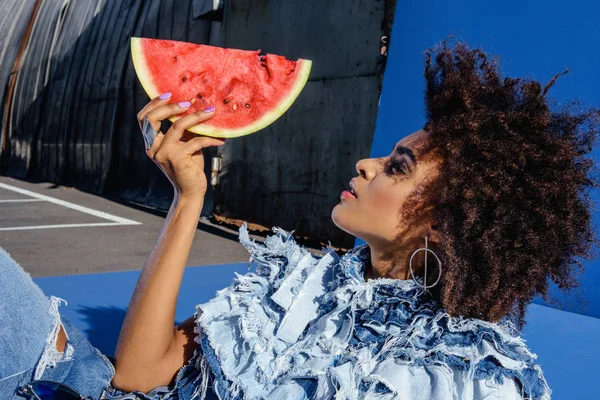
(14, 18)
(26, 108)
(72, 116)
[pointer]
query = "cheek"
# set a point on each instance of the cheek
(386, 198)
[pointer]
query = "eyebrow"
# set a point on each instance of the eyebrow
(401, 150)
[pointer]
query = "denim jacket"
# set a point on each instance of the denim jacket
(302, 326)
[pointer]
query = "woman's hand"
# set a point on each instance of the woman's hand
(178, 153)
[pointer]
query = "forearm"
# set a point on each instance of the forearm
(148, 329)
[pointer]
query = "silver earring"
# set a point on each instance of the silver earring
(427, 250)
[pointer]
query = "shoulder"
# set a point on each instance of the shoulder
(489, 356)
(278, 259)
(249, 325)
(464, 355)
(278, 269)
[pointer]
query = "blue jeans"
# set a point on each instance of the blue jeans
(29, 327)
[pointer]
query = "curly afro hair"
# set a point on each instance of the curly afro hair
(511, 201)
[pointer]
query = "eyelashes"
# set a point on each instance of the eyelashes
(398, 167)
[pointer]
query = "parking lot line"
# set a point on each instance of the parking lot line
(19, 200)
(100, 214)
(24, 228)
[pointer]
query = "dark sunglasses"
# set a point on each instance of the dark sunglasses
(49, 390)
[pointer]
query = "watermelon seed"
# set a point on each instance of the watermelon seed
(235, 106)
(226, 101)
(247, 105)
(184, 79)
(199, 96)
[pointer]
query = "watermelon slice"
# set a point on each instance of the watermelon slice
(248, 90)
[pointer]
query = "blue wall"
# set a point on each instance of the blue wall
(534, 39)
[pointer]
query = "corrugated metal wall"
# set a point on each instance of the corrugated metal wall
(72, 115)
(14, 21)
(292, 173)
(71, 118)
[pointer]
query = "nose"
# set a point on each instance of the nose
(366, 168)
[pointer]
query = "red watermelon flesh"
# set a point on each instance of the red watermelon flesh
(248, 90)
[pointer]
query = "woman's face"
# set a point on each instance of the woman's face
(377, 213)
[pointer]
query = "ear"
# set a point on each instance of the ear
(434, 234)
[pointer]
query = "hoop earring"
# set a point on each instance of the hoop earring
(427, 250)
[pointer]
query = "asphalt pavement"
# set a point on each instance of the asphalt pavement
(53, 230)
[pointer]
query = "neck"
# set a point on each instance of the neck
(380, 266)
(395, 264)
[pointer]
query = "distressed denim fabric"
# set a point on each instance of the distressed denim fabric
(298, 327)
(302, 326)
(29, 326)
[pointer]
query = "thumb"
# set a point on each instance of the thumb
(198, 143)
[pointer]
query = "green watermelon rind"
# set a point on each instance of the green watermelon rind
(303, 67)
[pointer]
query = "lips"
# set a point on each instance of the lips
(349, 194)
(346, 195)
(353, 188)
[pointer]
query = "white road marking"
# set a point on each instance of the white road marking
(20, 200)
(24, 228)
(73, 206)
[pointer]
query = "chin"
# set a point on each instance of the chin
(341, 219)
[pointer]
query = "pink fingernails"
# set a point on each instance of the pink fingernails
(184, 104)
(165, 96)
(209, 109)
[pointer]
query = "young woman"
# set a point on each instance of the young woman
(464, 222)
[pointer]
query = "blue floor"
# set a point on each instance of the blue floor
(567, 344)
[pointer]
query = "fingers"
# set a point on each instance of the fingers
(170, 142)
(159, 109)
(151, 152)
(164, 111)
(155, 102)
(201, 142)
(182, 124)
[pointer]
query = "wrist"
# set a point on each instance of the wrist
(188, 200)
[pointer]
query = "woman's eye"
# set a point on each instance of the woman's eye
(397, 167)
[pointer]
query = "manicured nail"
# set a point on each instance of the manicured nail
(165, 96)
(184, 104)
(209, 109)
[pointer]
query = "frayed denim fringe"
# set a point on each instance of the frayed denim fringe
(301, 326)
(50, 355)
